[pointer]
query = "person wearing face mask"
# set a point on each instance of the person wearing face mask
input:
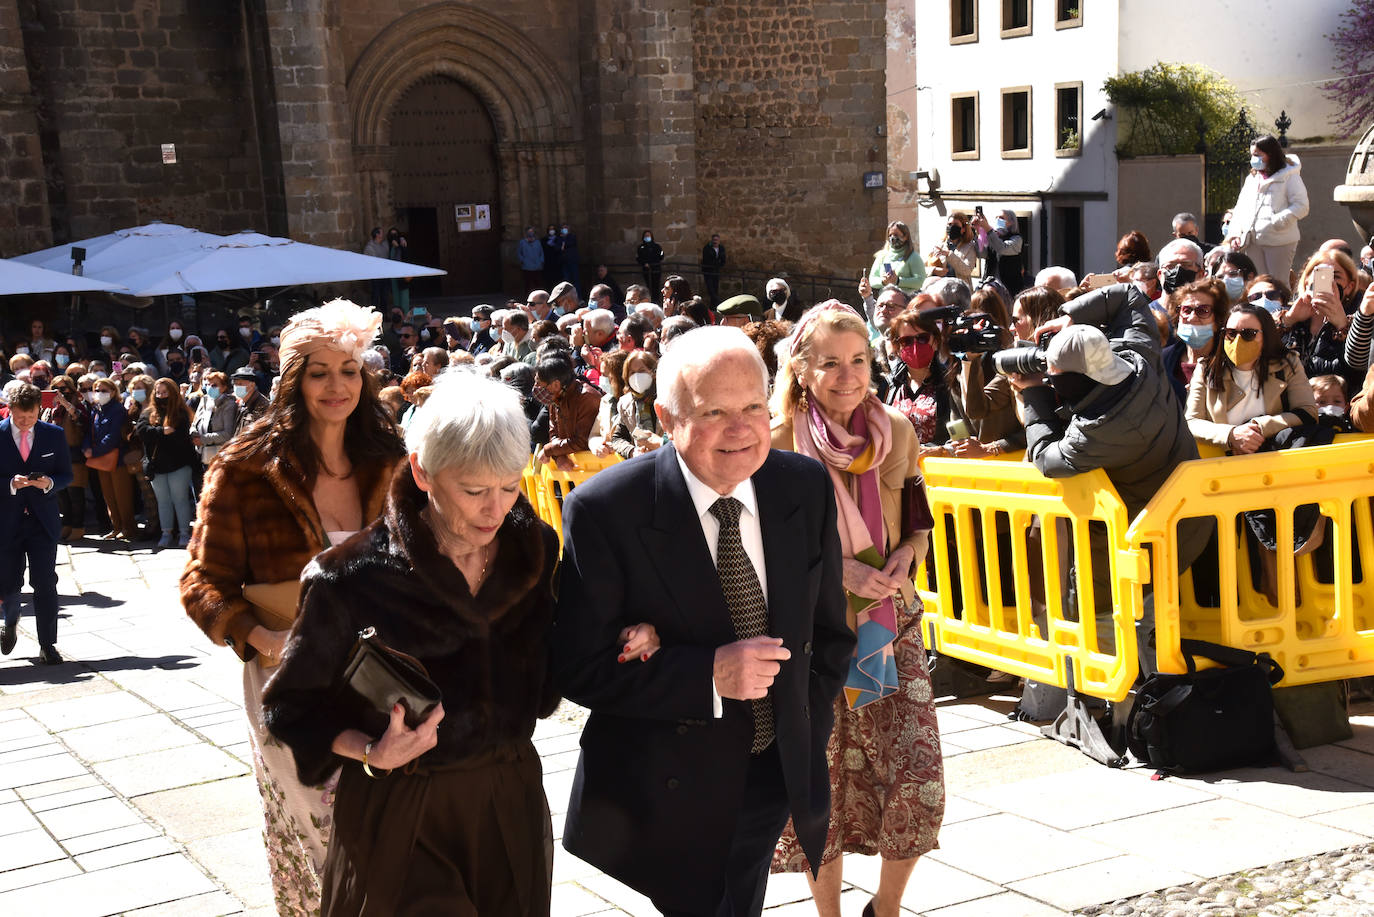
(553, 258)
(249, 338)
(1107, 404)
(482, 327)
(779, 294)
(216, 415)
(1317, 323)
(1197, 313)
(1235, 271)
(165, 430)
(61, 358)
(176, 366)
(919, 387)
(1185, 227)
(1333, 407)
(252, 404)
(569, 262)
(1001, 245)
(228, 352)
(1180, 263)
(110, 346)
(104, 448)
(897, 263)
(1264, 221)
(649, 256)
(637, 429)
(573, 405)
(957, 254)
(70, 413)
(529, 254)
(515, 337)
(174, 339)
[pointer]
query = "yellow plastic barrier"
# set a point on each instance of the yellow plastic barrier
(551, 484)
(972, 502)
(1323, 627)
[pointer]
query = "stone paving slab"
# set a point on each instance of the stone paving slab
(125, 788)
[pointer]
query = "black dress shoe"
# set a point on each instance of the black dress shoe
(868, 908)
(49, 655)
(7, 639)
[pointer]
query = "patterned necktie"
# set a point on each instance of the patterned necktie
(24, 444)
(744, 596)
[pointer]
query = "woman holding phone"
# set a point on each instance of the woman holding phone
(1316, 323)
(896, 263)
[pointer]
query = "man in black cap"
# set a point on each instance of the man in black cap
(252, 403)
(740, 310)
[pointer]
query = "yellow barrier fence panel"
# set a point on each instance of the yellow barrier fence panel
(1317, 617)
(1000, 561)
(553, 484)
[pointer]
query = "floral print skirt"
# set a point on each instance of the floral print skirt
(298, 818)
(887, 779)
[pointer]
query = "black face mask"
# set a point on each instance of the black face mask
(777, 297)
(175, 367)
(1072, 387)
(161, 403)
(1173, 278)
(1193, 239)
(223, 343)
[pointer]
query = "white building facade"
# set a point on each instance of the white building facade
(1009, 109)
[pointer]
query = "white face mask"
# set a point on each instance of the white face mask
(23, 350)
(174, 334)
(102, 398)
(245, 333)
(641, 382)
(240, 392)
(507, 337)
(89, 396)
(276, 340)
(106, 340)
(1331, 410)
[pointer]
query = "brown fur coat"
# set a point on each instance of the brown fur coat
(488, 654)
(257, 524)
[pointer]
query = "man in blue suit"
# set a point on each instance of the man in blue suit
(693, 759)
(34, 466)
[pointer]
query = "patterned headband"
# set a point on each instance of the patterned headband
(809, 320)
(337, 325)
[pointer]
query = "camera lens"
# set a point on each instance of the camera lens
(1025, 361)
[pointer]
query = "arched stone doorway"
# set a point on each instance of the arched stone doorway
(538, 148)
(446, 186)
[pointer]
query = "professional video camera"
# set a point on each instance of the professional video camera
(974, 332)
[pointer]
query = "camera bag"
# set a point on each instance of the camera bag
(1206, 720)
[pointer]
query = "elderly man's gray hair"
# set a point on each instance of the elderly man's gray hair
(1182, 218)
(951, 291)
(599, 319)
(696, 349)
(373, 360)
(1060, 278)
(675, 326)
(472, 421)
(1178, 247)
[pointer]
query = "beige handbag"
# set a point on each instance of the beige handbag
(275, 604)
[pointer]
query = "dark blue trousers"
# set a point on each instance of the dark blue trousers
(34, 546)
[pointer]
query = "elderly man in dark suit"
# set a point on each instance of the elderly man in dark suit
(693, 760)
(36, 465)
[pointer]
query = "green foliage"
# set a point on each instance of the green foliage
(1068, 139)
(1159, 110)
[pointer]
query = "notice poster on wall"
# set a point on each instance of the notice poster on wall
(482, 217)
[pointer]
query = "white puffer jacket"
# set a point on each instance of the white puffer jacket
(1271, 207)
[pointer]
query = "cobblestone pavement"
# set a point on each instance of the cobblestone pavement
(125, 788)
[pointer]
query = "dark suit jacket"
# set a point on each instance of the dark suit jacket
(711, 260)
(49, 455)
(660, 781)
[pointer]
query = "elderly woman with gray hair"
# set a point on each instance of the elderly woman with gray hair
(458, 574)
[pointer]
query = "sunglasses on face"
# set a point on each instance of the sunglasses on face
(909, 339)
(1195, 311)
(1271, 295)
(1245, 334)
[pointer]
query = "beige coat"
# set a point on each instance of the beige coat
(902, 463)
(1208, 407)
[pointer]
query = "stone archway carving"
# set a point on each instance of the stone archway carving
(539, 147)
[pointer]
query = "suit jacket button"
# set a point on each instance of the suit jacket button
(682, 729)
(673, 783)
(806, 647)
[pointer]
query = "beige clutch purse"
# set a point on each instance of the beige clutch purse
(275, 604)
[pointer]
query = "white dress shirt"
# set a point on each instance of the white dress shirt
(750, 533)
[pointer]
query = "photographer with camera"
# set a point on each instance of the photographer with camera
(982, 398)
(1094, 395)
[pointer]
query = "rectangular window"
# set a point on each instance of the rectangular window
(1068, 119)
(1068, 14)
(964, 126)
(1016, 18)
(963, 21)
(1016, 123)
(1066, 237)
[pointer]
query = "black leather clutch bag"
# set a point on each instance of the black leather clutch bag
(383, 677)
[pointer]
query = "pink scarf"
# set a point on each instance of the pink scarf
(858, 452)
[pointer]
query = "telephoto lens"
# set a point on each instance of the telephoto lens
(1026, 360)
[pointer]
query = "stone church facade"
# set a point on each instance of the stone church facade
(319, 119)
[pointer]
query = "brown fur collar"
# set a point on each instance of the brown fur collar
(524, 552)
